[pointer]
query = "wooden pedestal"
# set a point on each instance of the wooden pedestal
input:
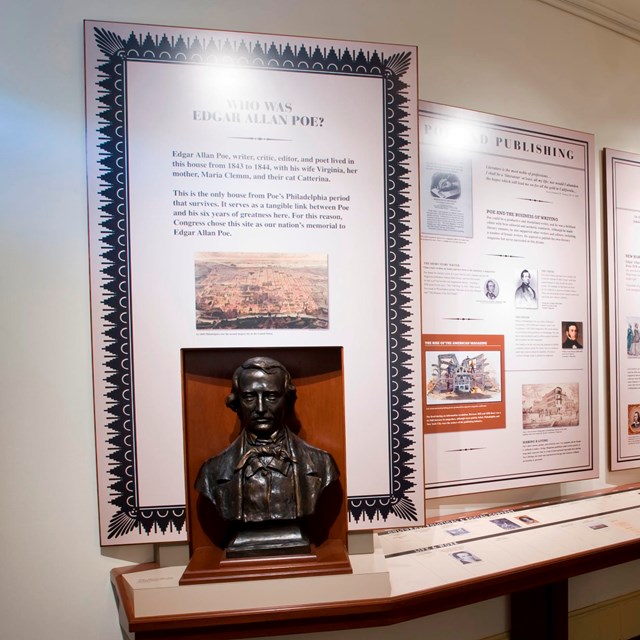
(208, 564)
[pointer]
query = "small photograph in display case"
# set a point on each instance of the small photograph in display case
(465, 557)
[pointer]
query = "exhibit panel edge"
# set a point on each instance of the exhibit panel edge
(624, 443)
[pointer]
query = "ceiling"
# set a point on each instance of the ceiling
(622, 16)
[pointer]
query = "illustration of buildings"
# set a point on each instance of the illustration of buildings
(472, 374)
(555, 401)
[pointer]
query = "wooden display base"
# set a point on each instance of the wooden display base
(209, 564)
(153, 606)
(148, 596)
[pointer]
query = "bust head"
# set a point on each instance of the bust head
(261, 394)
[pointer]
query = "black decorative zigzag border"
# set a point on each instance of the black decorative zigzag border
(114, 241)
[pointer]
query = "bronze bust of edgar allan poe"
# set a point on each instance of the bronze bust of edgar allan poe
(268, 480)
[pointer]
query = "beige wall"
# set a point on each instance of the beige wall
(519, 58)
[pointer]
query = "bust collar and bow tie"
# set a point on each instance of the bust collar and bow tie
(273, 453)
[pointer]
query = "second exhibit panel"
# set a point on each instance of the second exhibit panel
(506, 267)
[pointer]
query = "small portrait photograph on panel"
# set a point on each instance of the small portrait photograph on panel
(572, 335)
(633, 411)
(527, 519)
(526, 296)
(491, 289)
(550, 405)
(445, 186)
(261, 291)
(633, 336)
(465, 557)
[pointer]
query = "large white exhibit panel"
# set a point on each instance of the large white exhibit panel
(250, 191)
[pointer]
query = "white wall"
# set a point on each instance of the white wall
(519, 58)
